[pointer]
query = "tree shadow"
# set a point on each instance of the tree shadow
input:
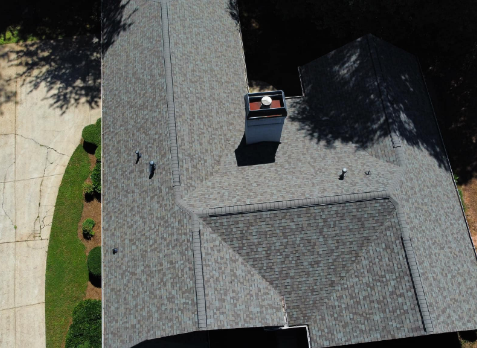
(114, 21)
(7, 92)
(50, 19)
(343, 102)
(232, 8)
(67, 59)
(69, 70)
(441, 35)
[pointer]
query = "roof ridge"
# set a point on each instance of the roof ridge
(387, 109)
(289, 204)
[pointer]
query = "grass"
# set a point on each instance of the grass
(27, 20)
(66, 267)
(461, 195)
(12, 36)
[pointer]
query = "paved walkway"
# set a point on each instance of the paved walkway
(38, 133)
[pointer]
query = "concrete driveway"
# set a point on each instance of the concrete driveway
(41, 120)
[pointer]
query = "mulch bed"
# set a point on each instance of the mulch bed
(91, 209)
(470, 199)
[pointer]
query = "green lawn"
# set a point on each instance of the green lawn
(66, 267)
(12, 35)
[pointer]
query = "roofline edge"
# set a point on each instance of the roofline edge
(447, 157)
(414, 270)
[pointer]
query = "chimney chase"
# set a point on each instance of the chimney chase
(265, 114)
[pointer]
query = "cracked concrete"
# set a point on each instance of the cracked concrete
(36, 142)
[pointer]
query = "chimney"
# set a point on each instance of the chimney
(265, 114)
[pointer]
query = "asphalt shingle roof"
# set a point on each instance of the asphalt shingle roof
(341, 267)
(210, 243)
(149, 287)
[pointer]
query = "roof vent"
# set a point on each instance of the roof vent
(152, 169)
(265, 114)
(343, 173)
(266, 101)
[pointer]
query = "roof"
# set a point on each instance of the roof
(213, 242)
(341, 267)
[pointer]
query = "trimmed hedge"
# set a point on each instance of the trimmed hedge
(85, 331)
(88, 225)
(66, 268)
(97, 154)
(94, 262)
(96, 177)
(92, 135)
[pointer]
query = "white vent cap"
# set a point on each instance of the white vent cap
(266, 101)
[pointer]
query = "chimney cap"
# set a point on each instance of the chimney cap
(266, 101)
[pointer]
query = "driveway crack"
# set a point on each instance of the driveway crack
(37, 220)
(42, 145)
(3, 194)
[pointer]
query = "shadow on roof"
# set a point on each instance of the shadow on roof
(364, 92)
(114, 21)
(253, 154)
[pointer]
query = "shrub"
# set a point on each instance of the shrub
(88, 225)
(97, 154)
(88, 189)
(85, 331)
(94, 262)
(98, 124)
(92, 135)
(96, 177)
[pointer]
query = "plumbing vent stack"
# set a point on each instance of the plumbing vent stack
(343, 173)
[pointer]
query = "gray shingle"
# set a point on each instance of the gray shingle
(149, 288)
(339, 260)
(341, 268)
